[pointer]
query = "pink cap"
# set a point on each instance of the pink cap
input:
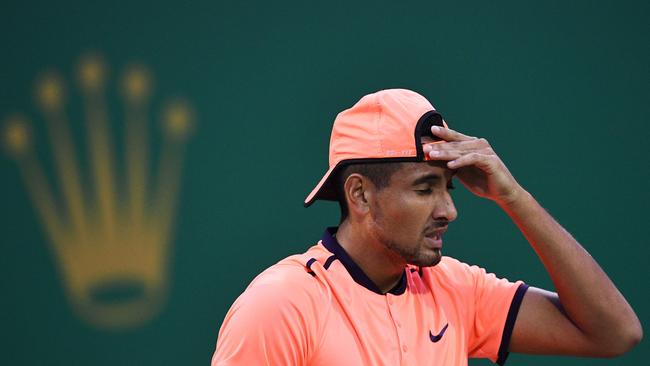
(383, 126)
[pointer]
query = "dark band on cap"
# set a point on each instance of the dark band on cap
(423, 129)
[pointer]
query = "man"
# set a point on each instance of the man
(377, 290)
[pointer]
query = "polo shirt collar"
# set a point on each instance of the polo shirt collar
(330, 243)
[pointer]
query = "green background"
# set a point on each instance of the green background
(559, 88)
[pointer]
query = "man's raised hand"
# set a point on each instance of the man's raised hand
(478, 167)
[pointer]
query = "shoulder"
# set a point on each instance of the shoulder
(275, 320)
(452, 266)
(452, 270)
(284, 296)
(287, 286)
(286, 283)
(462, 275)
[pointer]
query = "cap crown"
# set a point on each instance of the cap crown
(380, 125)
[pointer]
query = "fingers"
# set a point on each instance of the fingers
(448, 134)
(459, 150)
(483, 162)
(453, 140)
(449, 155)
(453, 150)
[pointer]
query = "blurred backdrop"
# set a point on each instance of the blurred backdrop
(156, 156)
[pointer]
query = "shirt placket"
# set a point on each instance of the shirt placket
(398, 324)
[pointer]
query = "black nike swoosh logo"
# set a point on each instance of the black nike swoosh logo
(437, 337)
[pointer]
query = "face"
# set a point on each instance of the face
(411, 214)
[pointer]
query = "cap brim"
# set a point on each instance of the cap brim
(317, 191)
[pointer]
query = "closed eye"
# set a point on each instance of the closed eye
(429, 190)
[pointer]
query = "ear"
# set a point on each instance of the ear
(358, 193)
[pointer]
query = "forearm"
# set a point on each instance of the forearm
(594, 318)
(587, 295)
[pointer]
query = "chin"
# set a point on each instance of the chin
(428, 261)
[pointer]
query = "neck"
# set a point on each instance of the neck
(380, 264)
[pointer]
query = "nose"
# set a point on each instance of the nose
(445, 209)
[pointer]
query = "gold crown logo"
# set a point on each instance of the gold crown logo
(110, 237)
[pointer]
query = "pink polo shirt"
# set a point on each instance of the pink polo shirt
(319, 308)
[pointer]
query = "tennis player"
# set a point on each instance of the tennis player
(376, 290)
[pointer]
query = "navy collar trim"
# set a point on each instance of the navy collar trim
(330, 243)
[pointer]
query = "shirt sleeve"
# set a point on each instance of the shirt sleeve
(271, 323)
(496, 304)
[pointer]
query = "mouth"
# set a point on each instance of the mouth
(434, 237)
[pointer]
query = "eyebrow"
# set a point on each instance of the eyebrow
(429, 178)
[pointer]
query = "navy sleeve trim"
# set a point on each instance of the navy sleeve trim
(510, 323)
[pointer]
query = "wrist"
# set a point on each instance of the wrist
(515, 198)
